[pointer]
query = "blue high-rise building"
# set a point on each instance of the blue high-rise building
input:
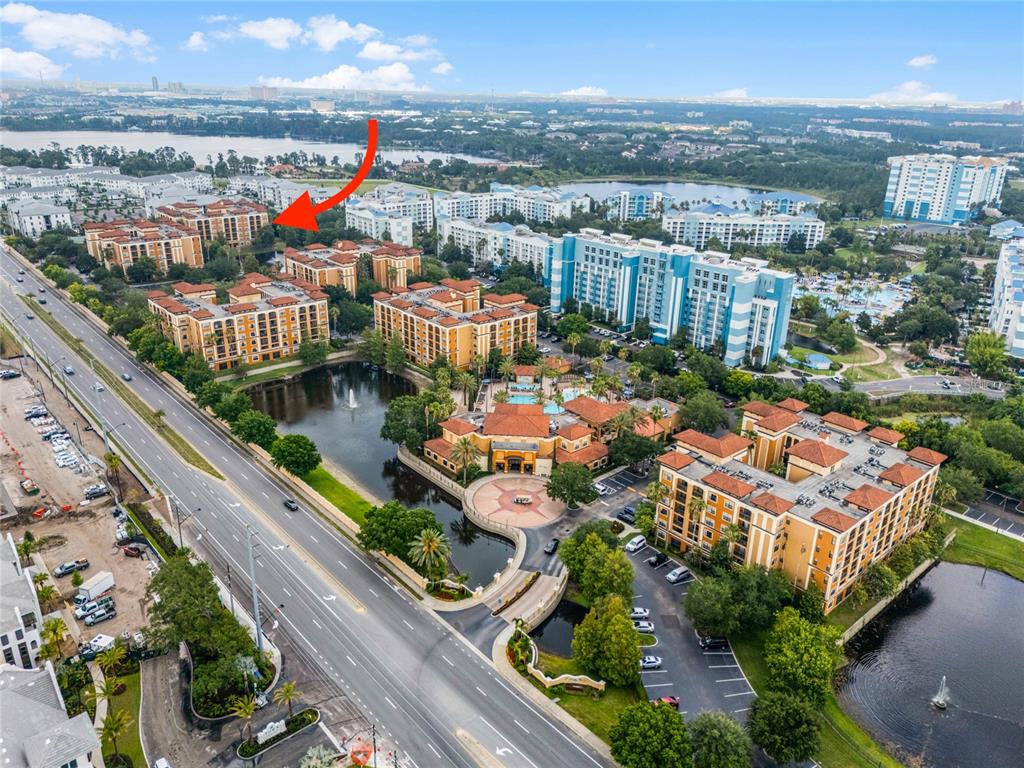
(637, 204)
(942, 188)
(740, 305)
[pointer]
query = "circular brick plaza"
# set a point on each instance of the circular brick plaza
(516, 501)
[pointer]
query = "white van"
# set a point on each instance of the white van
(636, 544)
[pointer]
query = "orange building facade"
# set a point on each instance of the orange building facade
(235, 221)
(120, 244)
(323, 265)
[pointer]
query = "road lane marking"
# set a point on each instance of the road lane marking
(447, 660)
(521, 726)
(741, 693)
(389, 701)
(314, 538)
(342, 565)
(660, 685)
(721, 666)
(350, 660)
(432, 749)
(731, 680)
(410, 626)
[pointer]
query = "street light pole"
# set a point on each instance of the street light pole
(255, 595)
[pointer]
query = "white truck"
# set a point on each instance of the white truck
(100, 582)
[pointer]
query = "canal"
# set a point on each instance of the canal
(341, 408)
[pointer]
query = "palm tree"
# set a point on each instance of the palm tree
(572, 340)
(657, 413)
(479, 363)
(115, 725)
(604, 347)
(465, 381)
(244, 707)
(105, 691)
(507, 368)
(629, 419)
(464, 453)
(53, 633)
(656, 492)
(599, 388)
(501, 397)
(596, 366)
(111, 659)
(47, 595)
(113, 462)
(634, 371)
(558, 398)
(429, 550)
(158, 419)
(286, 694)
(538, 397)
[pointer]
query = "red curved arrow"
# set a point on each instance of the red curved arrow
(301, 213)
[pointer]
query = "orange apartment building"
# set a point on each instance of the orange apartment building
(838, 497)
(119, 244)
(451, 320)
(235, 221)
(264, 319)
(323, 265)
(393, 264)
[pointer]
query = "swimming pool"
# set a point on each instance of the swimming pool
(883, 300)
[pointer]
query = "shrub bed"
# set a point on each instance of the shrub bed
(307, 717)
(153, 527)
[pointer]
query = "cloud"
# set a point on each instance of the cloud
(218, 18)
(275, 32)
(923, 62)
(325, 32)
(586, 90)
(418, 41)
(442, 69)
(28, 64)
(389, 77)
(378, 51)
(196, 42)
(914, 92)
(731, 93)
(84, 36)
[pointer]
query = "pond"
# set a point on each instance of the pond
(681, 191)
(959, 621)
(318, 404)
(554, 635)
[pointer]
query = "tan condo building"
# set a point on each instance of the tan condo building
(820, 498)
(323, 265)
(393, 264)
(451, 320)
(264, 319)
(234, 221)
(119, 244)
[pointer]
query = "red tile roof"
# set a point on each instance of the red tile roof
(927, 456)
(464, 286)
(586, 455)
(724, 447)
(676, 460)
(778, 421)
(459, 426)
(509, 419)
(185, 287)
(730, 485)
(843, 421)
(574, 431)
(525, 370)
(420, 286)
(817, 452)
(440, 446)
(868, 497)
(759, 407)
(837, 521)
(901, 474)
(888, 436)
(502, 299)
(792, 404)
(772, 503)
(595, 411)
(649, 428)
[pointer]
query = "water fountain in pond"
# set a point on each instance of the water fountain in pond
(941, 699)
(352, 399)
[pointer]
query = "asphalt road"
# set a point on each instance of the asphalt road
(437, 700)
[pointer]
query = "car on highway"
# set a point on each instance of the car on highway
(42, 300)
(644, 627)
(668, 701)
(636, 544)
(711, 642)
(551, 547)
(98, 387)
(677, 575)
(20, 279)
(95, 618)
(21, 271)
(29, 316)
(657, 560)
(650, 662)
(126, 376)
(69, 370)
(292, 505)
(639, 613)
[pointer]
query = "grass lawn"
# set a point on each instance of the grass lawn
(597, 714)
(130, 743)
(261, 376)
(877, 372)
(647, 640)
(843, 743)
(918, 268)
(339, 494)
(9, 346)
(847, 613)
(862, 354)
(975, 545)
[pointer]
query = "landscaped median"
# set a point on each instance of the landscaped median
(251, 748)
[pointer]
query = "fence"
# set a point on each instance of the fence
(575, 681)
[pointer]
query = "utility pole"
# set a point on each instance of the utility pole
(373, 737)
(255, 595)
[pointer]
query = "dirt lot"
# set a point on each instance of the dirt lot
(83, 532)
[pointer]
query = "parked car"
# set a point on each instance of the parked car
(711, 642)
(669, 701)
(650, 662)
(639, 613)
(657, 559)
(66, 569)
(627, 515)
(676, 575)
(95, 618)
(636, 544)
(85, 610)
(551, 547)
(602, 489)
(133, 550)
(644, 627)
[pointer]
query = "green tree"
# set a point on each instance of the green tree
(703, 412)
(373, 347)
(879, 581)
(801, 657)
(630, 448)
(605, 643)
(210, 393)
(986, 354)
(232, 406)
(690, 383)
(296, 454)
(110, 659)
(719, 742)
(606, 571)
(53, 633)
(738, 383)
(114, 726)
(465, 454)
(785, 726)
(571, 324)
(394, 356)
(287, 694)
(574, 550)
(391, 528)
(709, 605)
(571, 483)
(429, 550)
(650, 737)
(313, 352)
(965, 483)
(244, 707)
(252, 426)
(811, 603)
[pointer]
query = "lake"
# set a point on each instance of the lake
(316, 404)
(201, 146)
(554, 634)
(960, 621)
(681, 191)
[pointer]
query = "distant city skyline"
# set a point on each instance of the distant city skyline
(898, 53)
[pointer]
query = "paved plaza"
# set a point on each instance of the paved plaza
(516, 501)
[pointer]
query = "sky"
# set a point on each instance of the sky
(918, 52)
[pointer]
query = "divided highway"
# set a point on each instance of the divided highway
(435, 698)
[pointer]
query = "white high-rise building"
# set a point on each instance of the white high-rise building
(942, 188)
(372, 221)
(1007, 314)
(696, 228)
(534, 203)
(406, 200)
(499, 242)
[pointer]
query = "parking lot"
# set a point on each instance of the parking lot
(998, 511)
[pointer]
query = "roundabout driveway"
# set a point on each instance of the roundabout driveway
(518, 501)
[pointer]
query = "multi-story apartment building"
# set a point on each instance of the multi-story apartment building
(696, 228)
(33, 217)
(323, 265)
(1007, 314)
(274, 192)
(20, 615)
(119, 244)
(636, 204)
(405, 200)
(535, 203)
(770, 203)
(943, 188)
(234, 221)
(103, 179)
(264, 319)
(450, 320)
(499, 242)
(393, 264)
(846, 496)
(375, 222)
(738, 306)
